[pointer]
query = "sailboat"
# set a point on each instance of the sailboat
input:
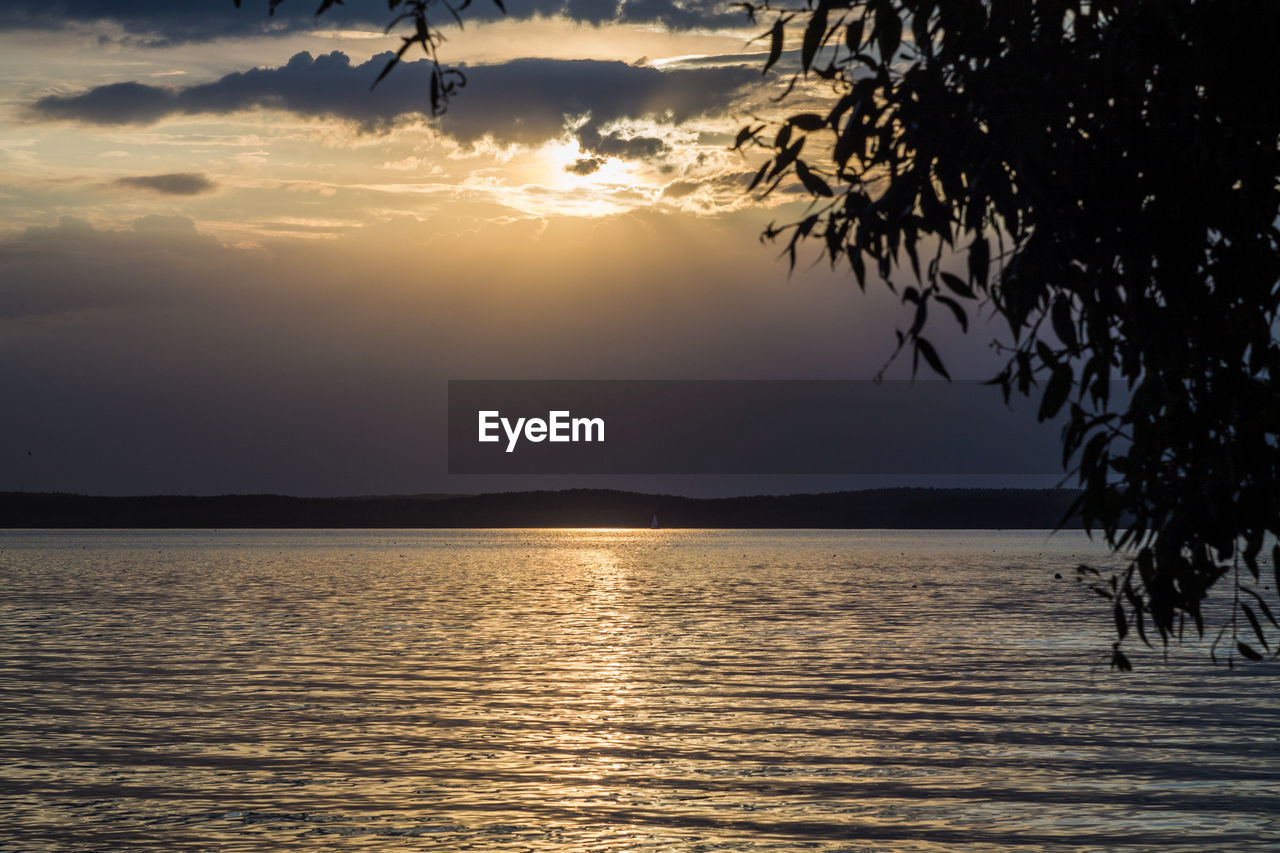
(654, 523)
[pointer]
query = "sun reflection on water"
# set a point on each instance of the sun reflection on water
(605, 690)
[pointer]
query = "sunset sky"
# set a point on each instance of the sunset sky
(227, 266)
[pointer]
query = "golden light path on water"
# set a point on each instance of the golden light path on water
(603, 690)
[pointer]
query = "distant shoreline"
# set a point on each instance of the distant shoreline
(901, 508)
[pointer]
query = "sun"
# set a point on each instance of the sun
(573, 168)
(586, 184)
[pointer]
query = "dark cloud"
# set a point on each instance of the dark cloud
(585, 166)
(71, 267)
(522, 101)
(616, 145)
(326, 85)
(174, 183)
(526, 100)
(115, 103)
(165, 22)
(680, 189)
(156, 22)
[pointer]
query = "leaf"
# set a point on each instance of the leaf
(924, 348)
(745, 135)
(786, 158)
(1266, 610)
(957, 285)
(1063, 326)
(1248, 651)
(1055, 393)
(808, 121)
(1122, 624)
(890, 27)
(813, 34)
(775, 44)
(851, 138)
(961, 317)
(852, 34)
(783, 137)
(1253, 623)
(1092, 452)
(979, 260)
(1047, 355)
(1275, 566)
(393, 61)
(859, 267)
(812, 182)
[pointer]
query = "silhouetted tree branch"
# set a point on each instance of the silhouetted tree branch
(415, 20)
(1106, 175)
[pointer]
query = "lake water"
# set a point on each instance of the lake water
(586, 690)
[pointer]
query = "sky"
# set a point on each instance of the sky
(228, 266)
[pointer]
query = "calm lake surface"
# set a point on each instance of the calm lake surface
(587, 690)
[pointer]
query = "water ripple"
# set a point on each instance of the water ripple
(603, 691)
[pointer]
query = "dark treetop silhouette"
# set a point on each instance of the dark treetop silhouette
(1102, 177)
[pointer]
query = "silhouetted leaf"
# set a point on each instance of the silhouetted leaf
(889, 26)
(786, 158)
(959, 312)
(1253, 623)
(808, 121)
(979, 260)
(812, 182)
(745, 135)
(930, 355)
(1275, 567)
(853, 35)
(784, 136)
(1063, 326)
(813, 33)
(1262, 604)
(956, 284)
(775, 44)
(1055, 393)
(1246, 650)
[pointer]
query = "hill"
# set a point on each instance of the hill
(874, 508)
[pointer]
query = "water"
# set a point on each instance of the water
(604, 691)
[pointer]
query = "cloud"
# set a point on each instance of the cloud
(163, 22)
(523, 101)
(616, 145)
(115, 103)
(585, 166)
(680, 189)
(72, 267)
(174, 183)
(526, 100)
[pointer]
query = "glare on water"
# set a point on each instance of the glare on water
(604, 690)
